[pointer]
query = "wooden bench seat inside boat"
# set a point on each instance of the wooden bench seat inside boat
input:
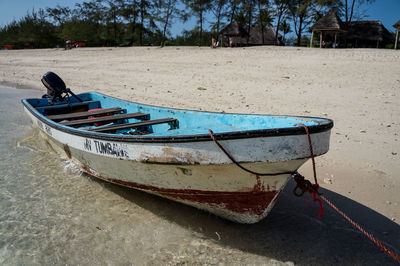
(171, 121)
(68, 108)
(108, 118)
(80, 115)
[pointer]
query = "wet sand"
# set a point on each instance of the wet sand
(357, 88)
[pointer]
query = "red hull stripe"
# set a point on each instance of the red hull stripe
(252, 202)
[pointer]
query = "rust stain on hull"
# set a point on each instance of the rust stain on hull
(253, 202)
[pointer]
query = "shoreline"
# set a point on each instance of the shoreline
(357, 88)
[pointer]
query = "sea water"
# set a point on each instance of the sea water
(52, 213)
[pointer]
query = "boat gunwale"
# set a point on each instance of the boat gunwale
(232, 135)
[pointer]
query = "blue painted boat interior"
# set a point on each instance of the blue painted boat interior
(190, 122)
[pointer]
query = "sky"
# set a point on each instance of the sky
(387, 11)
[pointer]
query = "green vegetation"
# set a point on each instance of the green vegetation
(148, 22)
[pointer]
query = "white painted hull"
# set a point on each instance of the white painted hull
(194, 173)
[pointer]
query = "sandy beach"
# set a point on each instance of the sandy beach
(358, 88)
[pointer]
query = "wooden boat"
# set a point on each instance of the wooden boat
(170, 153)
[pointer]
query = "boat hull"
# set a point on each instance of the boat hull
(194, 173)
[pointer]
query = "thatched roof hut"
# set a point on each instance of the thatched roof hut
(256, 37)
(397, 27)
(368, 33)
(234, 30)
(237, 34)
(330, 24)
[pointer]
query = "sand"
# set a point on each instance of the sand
(358, 88)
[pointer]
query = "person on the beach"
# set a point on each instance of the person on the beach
(68, 44)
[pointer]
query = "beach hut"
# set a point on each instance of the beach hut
(397, 27)
(256, 38)
(329, 27)
(235, 33)
(368, 34)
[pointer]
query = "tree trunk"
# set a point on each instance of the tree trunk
(166, 23)
(250, 15)
(277, 26)
(133, 22)
(141, 23)
(218, 19)
(164, 31)
(115, 27)
(133, 30)
(201, 26)
(300, 31)
(352, 10)
(233, 11)
(261, 22)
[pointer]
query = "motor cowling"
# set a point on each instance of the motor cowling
(55, 86)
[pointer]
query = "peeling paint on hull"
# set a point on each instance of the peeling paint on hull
(243, 207)
(248, 201)
(194, 173)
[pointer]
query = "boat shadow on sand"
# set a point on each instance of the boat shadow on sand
(291, 232)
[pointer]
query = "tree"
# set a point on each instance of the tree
(198, 8)
(112, 15)
(248, 8)
(233, 7)
(263, 16)
(91, 11)
(350, 7)
(130, 12)
(32, 30)
(144, 8)
(86, 23)
(301, 13)
(285, 28)
(96, 22)
(305, 12)
(281, 8)
(218, 9)
(59, 14)
(166, 12)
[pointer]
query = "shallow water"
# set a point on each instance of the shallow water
(51, 213)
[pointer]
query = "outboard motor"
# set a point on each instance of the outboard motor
(56, 89)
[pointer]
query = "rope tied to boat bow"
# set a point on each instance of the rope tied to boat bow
(238, 164)
(303, 185)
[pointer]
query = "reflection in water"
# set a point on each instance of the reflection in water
(51, 213)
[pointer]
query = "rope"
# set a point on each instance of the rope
(362, 230)
(315, 188)
(239, 165)
(311, 150)
(306, 186)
